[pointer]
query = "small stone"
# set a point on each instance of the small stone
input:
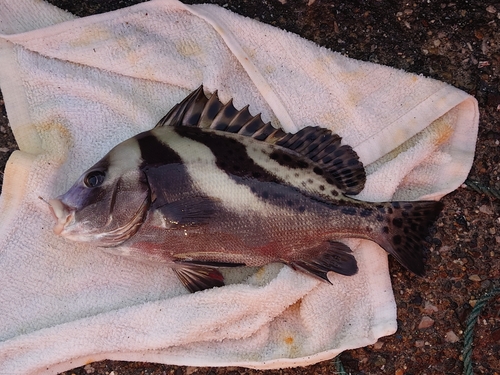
(450, 336)
(429, 308)
(378, 345)
(474, 278)
(497, 239)
(399, 372)
(486, 209)
(2, 129)
(485, 284)
(492, 230)
(426, 322)
(380, 361)
(191, 370)
(491, 9)
(89, 369)
(437, 43)
(419, 343)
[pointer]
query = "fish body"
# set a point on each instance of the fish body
(212, 186)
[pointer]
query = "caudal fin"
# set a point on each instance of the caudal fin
(405, 230)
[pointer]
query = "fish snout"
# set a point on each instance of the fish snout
(62, 213)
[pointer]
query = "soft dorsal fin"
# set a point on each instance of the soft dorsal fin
(338, 162)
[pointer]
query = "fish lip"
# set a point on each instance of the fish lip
(63, 213)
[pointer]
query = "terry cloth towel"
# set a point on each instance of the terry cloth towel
(75, 87)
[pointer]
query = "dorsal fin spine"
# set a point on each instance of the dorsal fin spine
(212, 106)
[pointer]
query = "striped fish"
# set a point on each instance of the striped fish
(211, 186)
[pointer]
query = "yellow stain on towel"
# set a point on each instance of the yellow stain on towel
(91, 36)
(55, 139)
(442, 129)
(249, 51)
(188, 48)
(291, 345)
(269, 69)
(327, 119)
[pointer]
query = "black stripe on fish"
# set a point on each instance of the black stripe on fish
(232, 158)
(174, 197)
(154, 152)
(230, 155)
(171, 188)
(339, 164)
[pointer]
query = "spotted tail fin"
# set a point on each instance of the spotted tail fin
(405, 230)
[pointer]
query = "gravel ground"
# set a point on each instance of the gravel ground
(458, 43)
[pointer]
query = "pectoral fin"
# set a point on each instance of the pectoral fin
(332, 256)
(188, 212)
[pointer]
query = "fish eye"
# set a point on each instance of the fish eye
(94, 179)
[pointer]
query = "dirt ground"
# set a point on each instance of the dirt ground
(455, 42)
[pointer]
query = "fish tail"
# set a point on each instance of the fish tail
(405, 230)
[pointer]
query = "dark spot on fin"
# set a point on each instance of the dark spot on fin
(339, 164)
(192, 211)
(333, 256)
(406, 231)
(226, 114)
(196, 278)
(212, 107)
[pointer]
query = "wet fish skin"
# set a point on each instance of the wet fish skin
(212, 186)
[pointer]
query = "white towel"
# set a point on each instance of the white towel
(74, 88)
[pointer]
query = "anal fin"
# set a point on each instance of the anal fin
(334, 256)
(196, 278)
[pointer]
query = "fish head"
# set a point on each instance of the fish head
(108, 203)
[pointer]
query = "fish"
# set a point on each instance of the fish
(212, 186)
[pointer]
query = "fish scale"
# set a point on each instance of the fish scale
(213, 186)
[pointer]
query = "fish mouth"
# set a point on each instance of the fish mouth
(62, 213)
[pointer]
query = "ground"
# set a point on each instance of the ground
(455, 42)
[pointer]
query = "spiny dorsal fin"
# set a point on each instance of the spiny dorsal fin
(338, 162)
